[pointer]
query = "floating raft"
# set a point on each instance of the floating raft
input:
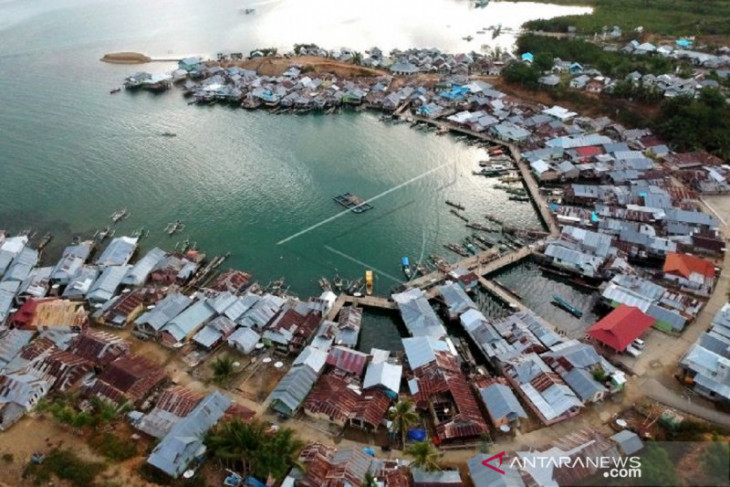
(352, 202)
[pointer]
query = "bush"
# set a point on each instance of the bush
(114, 448)
(65, 465)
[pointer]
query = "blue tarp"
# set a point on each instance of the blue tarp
(253, 482)
(554, 206)
(368, 451)
(594, 217)
(417, 434)
(405, 262)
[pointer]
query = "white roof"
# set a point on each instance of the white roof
(383, 373)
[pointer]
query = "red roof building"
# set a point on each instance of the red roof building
(99, 347)
(620, 327)
(685, 265)
(327, 467)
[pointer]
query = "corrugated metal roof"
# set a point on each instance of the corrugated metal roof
(501, 402)
(456, 298)
(347, 360)
(189, 320)
(292, 389)
(385, 374)
(244, 339)
(583, 384)
(422, 350)
(172, 305)
(418, 315)
(185, 441)
(118, 252)
(628, 441)
(81, 282)
(312, 357)
(138, 274)
(106, 285)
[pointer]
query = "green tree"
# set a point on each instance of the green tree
(253, 449)
(715, 462)
(357, 58)
(425, 456)
(543, 61)
(521, 73)
(403, 415)
(656, 467)
(223, 369)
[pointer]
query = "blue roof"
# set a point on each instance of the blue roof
(527, 56)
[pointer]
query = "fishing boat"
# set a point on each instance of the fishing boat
(324, 283)
(369, 282)
(114, 91)
(563, 304)
(470, 247)
(119, 215)
(174, 227)
(481, 3)
(515, 197)
(338, 282)
(457, 249)
(458, 206)
(511, 178)
(468, 38)
(45, 240)
(168, 134)
(406, 267)
(104, 233)
(421, 269)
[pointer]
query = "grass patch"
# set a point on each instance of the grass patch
(664, 17)
(65, 465)
(113, 447)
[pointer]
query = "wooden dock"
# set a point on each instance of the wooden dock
(528, 178)
(363, 301)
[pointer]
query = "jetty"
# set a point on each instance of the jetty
(353, 203)
(538, 199)
(363, 301)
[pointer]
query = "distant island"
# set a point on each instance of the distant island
(126, 58)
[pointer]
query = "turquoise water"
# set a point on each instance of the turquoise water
(71, 153)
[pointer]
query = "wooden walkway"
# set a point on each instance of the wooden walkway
(528, 178)
(364, 301)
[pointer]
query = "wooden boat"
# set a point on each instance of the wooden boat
(369, 282)
(563, 304)
(114, 91)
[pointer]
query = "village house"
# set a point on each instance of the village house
(19, 393)
(51, 314)
(502, 405)
(73, 258)
(706, 365)
(118, 253)
(182, 327)
(418, 315)
(690, 272)
(99, 347)
(289, 394)
(151, 322)
(140, 271)
(125, 308)
(128, 378)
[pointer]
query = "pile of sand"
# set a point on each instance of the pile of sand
(125, 58)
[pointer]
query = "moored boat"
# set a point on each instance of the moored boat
(406, 267)
(563, 304)
(369, 282)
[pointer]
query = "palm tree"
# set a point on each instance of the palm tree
(369, 481)
(425, 456)
(222, 369)
(403, 416)
(253, 448)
